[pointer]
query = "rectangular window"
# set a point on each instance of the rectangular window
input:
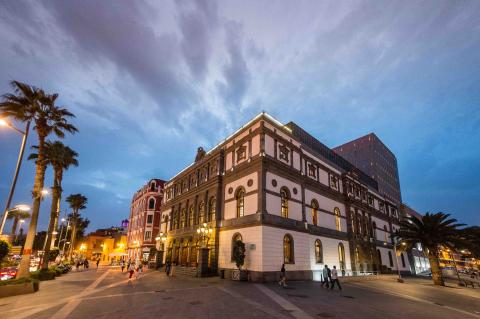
(241, 153)
(149, 219)
(284, 151)
(312, 170)
(148, 235)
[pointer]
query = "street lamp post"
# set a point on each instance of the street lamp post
(162, 238)
(61, 232)
(17, 169)
(204, 233)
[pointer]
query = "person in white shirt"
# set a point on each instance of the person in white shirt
(335, 279)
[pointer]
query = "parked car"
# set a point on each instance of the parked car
(8, 273)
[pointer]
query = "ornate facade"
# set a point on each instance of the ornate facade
(144, 221)
(288, 197)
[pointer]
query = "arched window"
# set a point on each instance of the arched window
(212, 208)
(183, 218)
(353, 221)
(374, 230)
(284, 196)
(151, 203)
(191, 215)
(403, 260)
(390, 258)
(338, 223)
(318, 252)
(385, 233)
(314, 212)
(201, 213)
(153, 187)
(341, 256)
(240, 202)
(379, 257)
(288, 254)
(236, 237)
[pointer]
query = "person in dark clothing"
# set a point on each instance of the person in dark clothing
(98, 262)
(283, 277)
(168, 266)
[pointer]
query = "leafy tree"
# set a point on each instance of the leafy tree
(39, 240)
(472, 236)
(16, 215)
(27, 104)
(239, 253)
(4, 249)
(52, 254)
(77, 202)
(432, 231)
(60, 157)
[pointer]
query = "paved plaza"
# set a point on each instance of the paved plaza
(107, 293)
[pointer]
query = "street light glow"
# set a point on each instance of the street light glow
(3, 122)
(45, 192)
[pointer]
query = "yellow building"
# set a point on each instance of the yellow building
(107, 245)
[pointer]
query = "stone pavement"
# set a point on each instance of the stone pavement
(107, 293)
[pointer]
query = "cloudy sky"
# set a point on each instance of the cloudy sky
(151, 81)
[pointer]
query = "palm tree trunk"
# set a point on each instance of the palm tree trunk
(56, 191)
(40, 167)
(435, 267)
(14, 227)
(74, 234)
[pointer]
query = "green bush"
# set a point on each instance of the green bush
(17, 281)
(42, 275)
(239, 253)
(4, 249)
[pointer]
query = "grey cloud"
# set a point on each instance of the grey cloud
(235, 71)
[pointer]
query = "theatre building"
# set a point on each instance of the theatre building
(144, 220)
(288, 197)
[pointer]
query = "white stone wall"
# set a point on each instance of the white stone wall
(264, 250)
(379, 232)
(324, 219)
(250, 201)
(252, 237)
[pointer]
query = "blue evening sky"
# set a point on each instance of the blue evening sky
(150, 81)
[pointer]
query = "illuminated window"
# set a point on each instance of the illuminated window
(212, 208)
(284, 202)
(314, 212)
(201, 213)
(191, 216)
(338, 223)
(183, 218)
(288, 256)
(148, 235)
(240, 202)
(341, 256)
(318, 252)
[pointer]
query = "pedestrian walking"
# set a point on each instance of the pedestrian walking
(85, 264)
(283, 277)
(168, 267)
(325, 276)
(139, 270)
(77, 265)
(131, 270)
(122, 265)
(334, 277)
(98, 262)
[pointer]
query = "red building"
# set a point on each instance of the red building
(144, 221)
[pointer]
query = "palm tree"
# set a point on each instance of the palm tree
(77, 202)
(61, 157)
(16, 215)
(29, 103)
(433, 231)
